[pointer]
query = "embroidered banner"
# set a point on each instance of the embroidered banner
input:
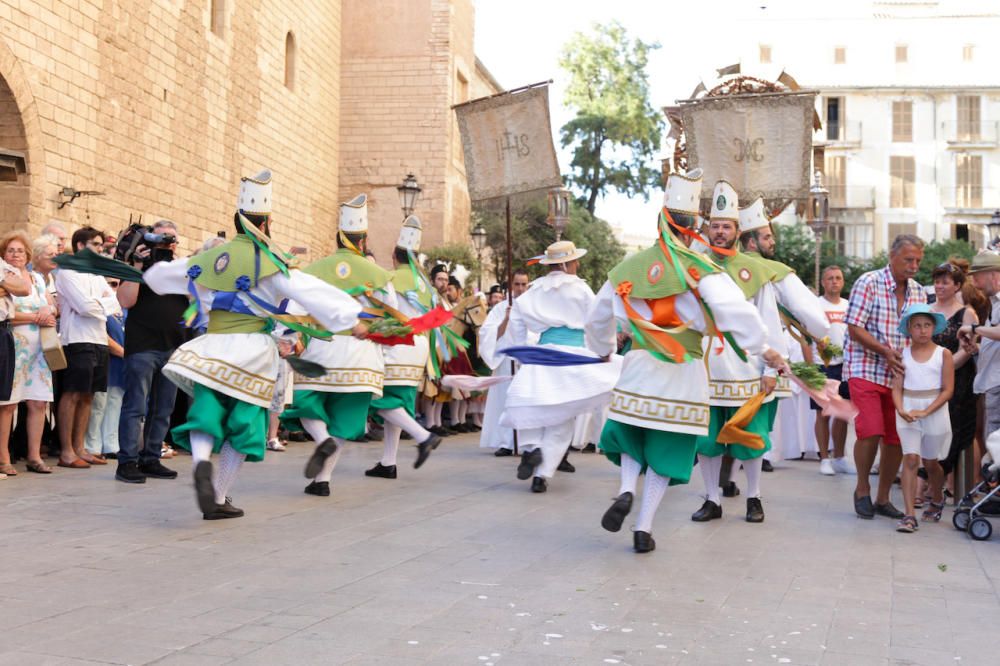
(507, 142)
(762, 144)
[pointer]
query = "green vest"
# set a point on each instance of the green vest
(781, 270)
(748, 273)
(652, 277)
(403, 282)
(349, 272)
(222, 266)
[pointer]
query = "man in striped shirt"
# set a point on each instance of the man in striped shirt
(873, 356)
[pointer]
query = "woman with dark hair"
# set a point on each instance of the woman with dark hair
(949, 280)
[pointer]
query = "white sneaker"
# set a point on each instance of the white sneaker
(275, 445)
(826, 467)
(841, 466)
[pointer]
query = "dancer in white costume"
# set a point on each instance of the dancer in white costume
(797, 305)
(494, 334)
(543, 401)
(668, 298)
(244, 286)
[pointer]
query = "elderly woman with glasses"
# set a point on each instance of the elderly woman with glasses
(32, 377)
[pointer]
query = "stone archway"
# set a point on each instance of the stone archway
(21, 200)
(14, 181)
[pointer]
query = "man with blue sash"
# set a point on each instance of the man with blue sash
(243, 289)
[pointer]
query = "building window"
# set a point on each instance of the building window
(967, 52)
(901, 229)
(901, 53)
(217, 16)
(839, 55)
(967, 112)
(835, 119)
(835, 180)
(765, 54)
(969, 181)
(902, 121)
(902, 173)
(290, 60)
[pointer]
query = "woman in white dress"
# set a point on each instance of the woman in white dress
(32, 377)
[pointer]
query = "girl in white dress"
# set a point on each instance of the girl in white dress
(921, 399)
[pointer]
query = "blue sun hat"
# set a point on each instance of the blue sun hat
(940, 323)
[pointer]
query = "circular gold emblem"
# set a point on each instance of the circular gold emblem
(745, 274)
(343, 270)
(221, 262)
(655, 272)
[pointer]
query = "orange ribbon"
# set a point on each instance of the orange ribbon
(733, 432)
(664, 311)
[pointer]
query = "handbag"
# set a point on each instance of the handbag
(52, 348)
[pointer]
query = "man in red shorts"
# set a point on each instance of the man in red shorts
(873, 356)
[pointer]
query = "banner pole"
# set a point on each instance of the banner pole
(510, 289)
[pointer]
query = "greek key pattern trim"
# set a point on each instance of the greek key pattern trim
(344, 377)
(733, 389)
(239, 380)
(678, 412)
(412, 373)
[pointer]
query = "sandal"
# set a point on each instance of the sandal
(907, 524)
(8, 469)
(275, 445)
(933, 512)
(38, 467)
(167, 452)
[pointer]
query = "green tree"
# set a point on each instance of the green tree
(530, 235)
(616, 130)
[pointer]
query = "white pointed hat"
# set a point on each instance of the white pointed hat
(682, 192)
(255, 194)
(753, 217)
(354, 215)
(409, 235)
(725, 203)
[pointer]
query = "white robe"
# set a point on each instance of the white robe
(542, 396)
(245, 365)
(494, 435)
(658, 395)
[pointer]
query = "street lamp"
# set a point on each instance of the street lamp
(818, 215)
(409, 192)
(479, 243)
(558, 210)
(993, 230)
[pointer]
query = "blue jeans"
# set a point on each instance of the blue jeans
(149, 395)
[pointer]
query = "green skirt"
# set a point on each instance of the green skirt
(345, 414)
(669, 454)
(226, 419)
(397, 396)
(760, 424)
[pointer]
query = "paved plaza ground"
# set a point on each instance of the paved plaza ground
(459, 564)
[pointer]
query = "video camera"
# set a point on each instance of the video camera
(139, 235)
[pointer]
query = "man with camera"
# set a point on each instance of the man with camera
(153, 331)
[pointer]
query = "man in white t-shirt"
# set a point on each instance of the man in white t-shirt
(835, 308)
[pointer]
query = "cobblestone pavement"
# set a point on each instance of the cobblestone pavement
(458, 563)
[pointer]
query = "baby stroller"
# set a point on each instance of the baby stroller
(967, 517)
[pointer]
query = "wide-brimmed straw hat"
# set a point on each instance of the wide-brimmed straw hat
(985, 261)
(562, 251)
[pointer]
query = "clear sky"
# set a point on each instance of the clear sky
(519, 41)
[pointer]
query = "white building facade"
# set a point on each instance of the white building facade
(909, 95)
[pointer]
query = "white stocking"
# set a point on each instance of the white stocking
(390, 444)
(711, 468)
(652, 495)
(630, 474)
(316, 429)
(753, 468)
(326, 473)
(438, 407)
(201, 446)
(230, 461)
(400, 418)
